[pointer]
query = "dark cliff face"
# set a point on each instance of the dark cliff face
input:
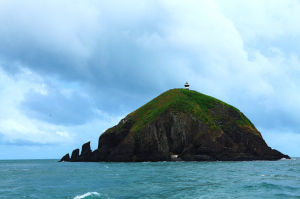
(191, 127)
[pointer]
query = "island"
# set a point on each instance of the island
(180, 125)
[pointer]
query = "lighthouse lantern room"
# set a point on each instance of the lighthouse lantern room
(187, 86)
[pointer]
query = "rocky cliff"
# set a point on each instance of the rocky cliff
(183, 125)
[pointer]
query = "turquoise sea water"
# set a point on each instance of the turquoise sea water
(49, 179)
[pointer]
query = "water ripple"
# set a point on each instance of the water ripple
(185, 180)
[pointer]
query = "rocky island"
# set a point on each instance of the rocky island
(180, 125)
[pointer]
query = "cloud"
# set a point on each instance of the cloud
(35, 112)
(15, 126)
(66, 107)
(262, 18)
(71, 66)
(21, 142)
(47, 33)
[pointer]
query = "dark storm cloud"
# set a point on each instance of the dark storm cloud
(104, 50)
(56, 108)
(117, 58)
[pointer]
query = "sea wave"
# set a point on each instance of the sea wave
(87, 195)
(288, 159)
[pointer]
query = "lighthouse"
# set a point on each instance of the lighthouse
(187, 86)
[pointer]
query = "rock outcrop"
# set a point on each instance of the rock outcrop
(65, 158)
(86, 152)
(180, 125)
(75, 155)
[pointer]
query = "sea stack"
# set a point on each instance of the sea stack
(180, 124)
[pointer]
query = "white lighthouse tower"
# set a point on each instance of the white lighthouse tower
(187, 86)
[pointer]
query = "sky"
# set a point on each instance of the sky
(70, 69)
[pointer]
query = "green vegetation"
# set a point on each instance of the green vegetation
(183, 101)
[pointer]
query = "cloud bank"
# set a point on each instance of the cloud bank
(71, 69)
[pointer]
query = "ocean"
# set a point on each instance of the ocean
(49, 179)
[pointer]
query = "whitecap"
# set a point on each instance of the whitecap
(86, 195)
(287, 159)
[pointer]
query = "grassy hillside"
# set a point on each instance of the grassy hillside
(186, 101)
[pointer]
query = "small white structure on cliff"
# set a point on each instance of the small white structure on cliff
(186, 85)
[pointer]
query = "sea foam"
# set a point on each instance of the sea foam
(87, 195)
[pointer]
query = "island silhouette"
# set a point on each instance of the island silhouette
(180, 125)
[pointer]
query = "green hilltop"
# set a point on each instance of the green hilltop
(187, 101)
